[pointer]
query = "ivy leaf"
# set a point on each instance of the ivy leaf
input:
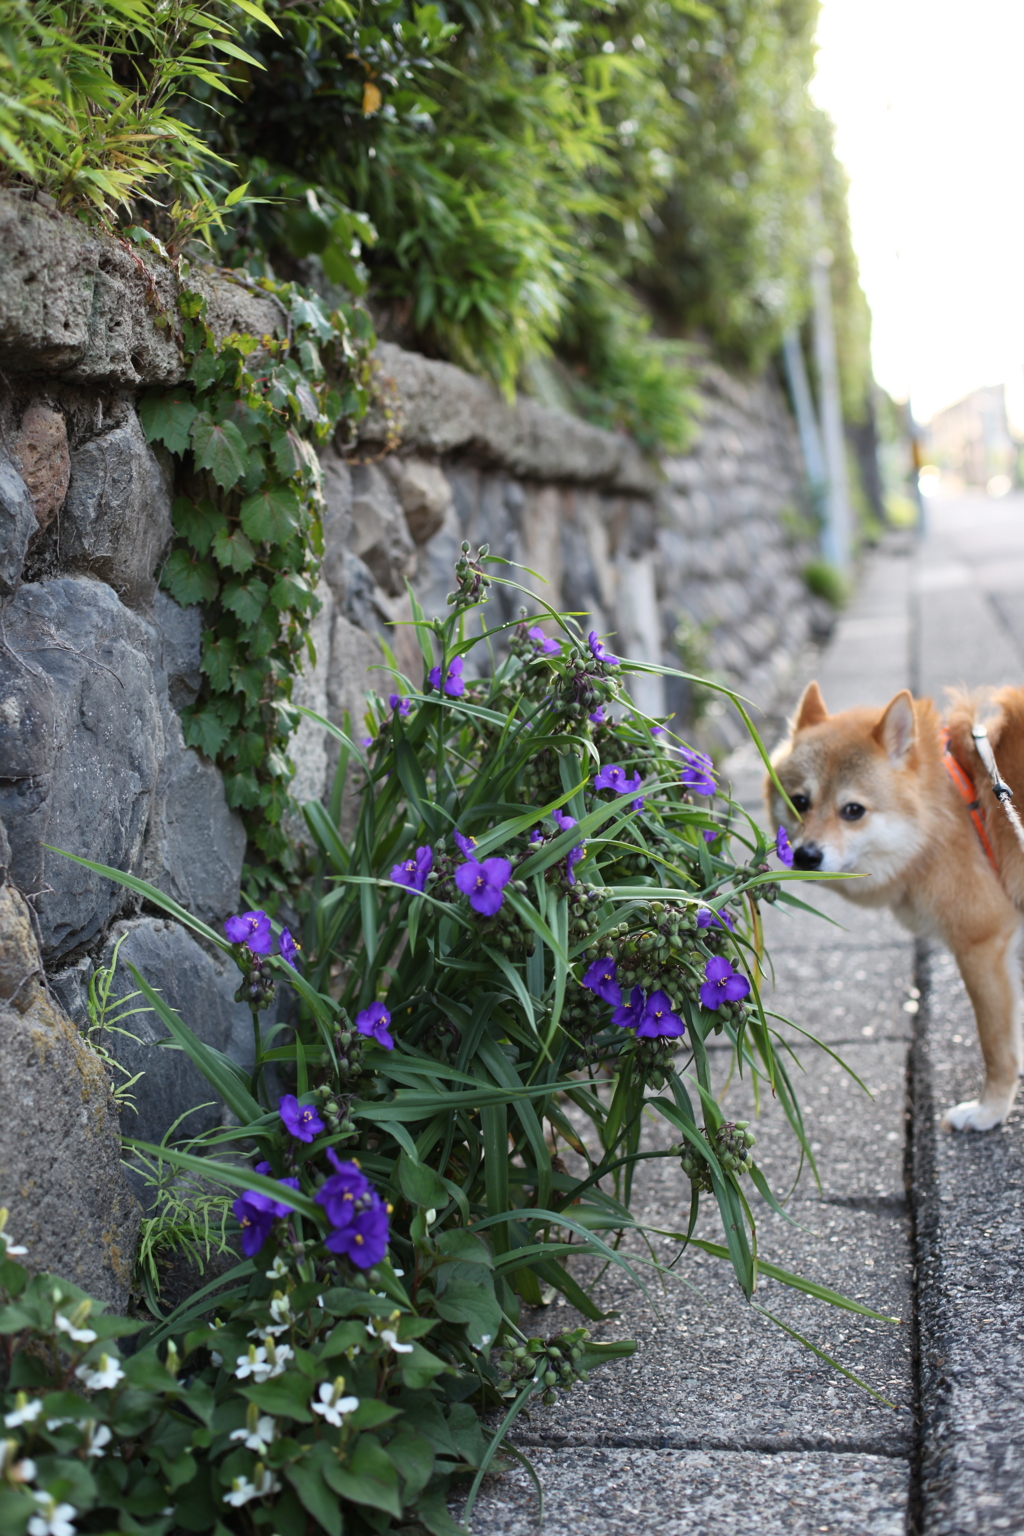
(167, 417)
(197, 522)
(251, 749)
(220, 448)
(233, 550)
(188, 579)
(218, 658)
(266, 634)
(306, 401)
(291, 591)
(249, 680)
(206, 727)
(247, 421)
(241, 790)
(287, 451)
(206, 369)
(272, 515)
(247, 602)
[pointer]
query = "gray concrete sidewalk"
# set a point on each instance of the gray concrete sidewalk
(723, 1424)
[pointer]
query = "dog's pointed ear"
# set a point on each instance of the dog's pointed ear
(896, 732)
(811, 709)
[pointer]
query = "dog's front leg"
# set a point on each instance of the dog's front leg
(991, 975)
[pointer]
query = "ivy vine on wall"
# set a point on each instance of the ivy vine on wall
(243, 430)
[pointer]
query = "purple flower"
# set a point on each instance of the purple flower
(707, 917)
(575, 854)
(659, 1019)
(289, 949)
(364, 1237)
(300, 1120)
(413, 873)
(614, 776)
(598, 651)
(339, 1192)
(278, 1207)
(465, 845)
(255, 1215)
(563, 820)
(536, 836)
(657, 730)
(600, 978)
(596, 716)
(374, 1021)
(545, 646)
(697, 771)
(784, 848)
(637, 804)
(709, 836)
(399, 705)
(628, 1014)
(253, 929)
(366, 741)
(484, 883)
(722, 984)
(454, 687)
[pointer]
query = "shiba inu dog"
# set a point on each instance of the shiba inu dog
(903, 799)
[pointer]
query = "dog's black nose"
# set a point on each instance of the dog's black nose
(808, 856)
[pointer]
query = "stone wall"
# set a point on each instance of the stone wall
(96, 662)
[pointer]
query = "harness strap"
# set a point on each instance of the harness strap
(968, 794)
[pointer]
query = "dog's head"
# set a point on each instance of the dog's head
(854, 779)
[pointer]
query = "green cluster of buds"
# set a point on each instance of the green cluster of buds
(584, 1019)
(256, 988)
(548, 1365)
(586, 684)
(506, 929)
(584, 901)
(472, 583)
(349, 1046)
(652, 1059)
(732, 1143)
(542, 781)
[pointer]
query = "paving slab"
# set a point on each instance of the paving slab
(597, 1492)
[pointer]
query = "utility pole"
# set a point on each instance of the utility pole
(835, 539)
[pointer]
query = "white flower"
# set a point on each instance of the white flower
(281, 1310)
(13, 1470)
(278, 1269)
(398, 1273)
(107, 1374)
(217, 1357)
(390, 1338)
(332, 1405)
(54, 1519)
(26, 1411)
(80, 1335)
(12, 1250)
(242, 1490)
(254, 1364)
(96, 1436)
(258, 1439)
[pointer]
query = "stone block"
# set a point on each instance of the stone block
(116, 522)
(178, 649)
(308, 747)
(424, 492)
(380, 534)
(60, 1150)
(40, 454)
(83, 743)
(17, 526)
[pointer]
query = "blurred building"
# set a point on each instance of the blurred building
(971, 440)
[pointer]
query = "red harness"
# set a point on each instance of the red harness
(968, 794)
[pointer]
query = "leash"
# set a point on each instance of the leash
(966, 790)
(1001, 790)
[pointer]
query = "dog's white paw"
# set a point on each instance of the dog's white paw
(974, 1115)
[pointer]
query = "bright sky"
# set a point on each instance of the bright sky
(928, 101)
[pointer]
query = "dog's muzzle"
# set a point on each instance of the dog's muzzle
(808, 856)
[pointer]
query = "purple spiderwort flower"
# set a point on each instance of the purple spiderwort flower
(484, 883)
(563, 820)
(614, 776)
(598, 651)
(709, 836)
(575, 854)
(707, 917)
(413, 872)
(637, 804)
(289, 949)
(399, 705)
(253, 929)
(784, 848)
(722, 983)
(657, 730)
(374, 1021)
(629, 1013)
(366, 741)
(545, 646)
(278, 1206)
(596, 716)
(300, 1120)
(536, 836)
(340, 1191)
(465, 845)
(363, 1238)
(454, 686)
(599, 977)
(659, 1019)
(255, 1215)
(697, 772)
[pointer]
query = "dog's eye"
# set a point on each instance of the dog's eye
(852, 811)
(801, 803)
